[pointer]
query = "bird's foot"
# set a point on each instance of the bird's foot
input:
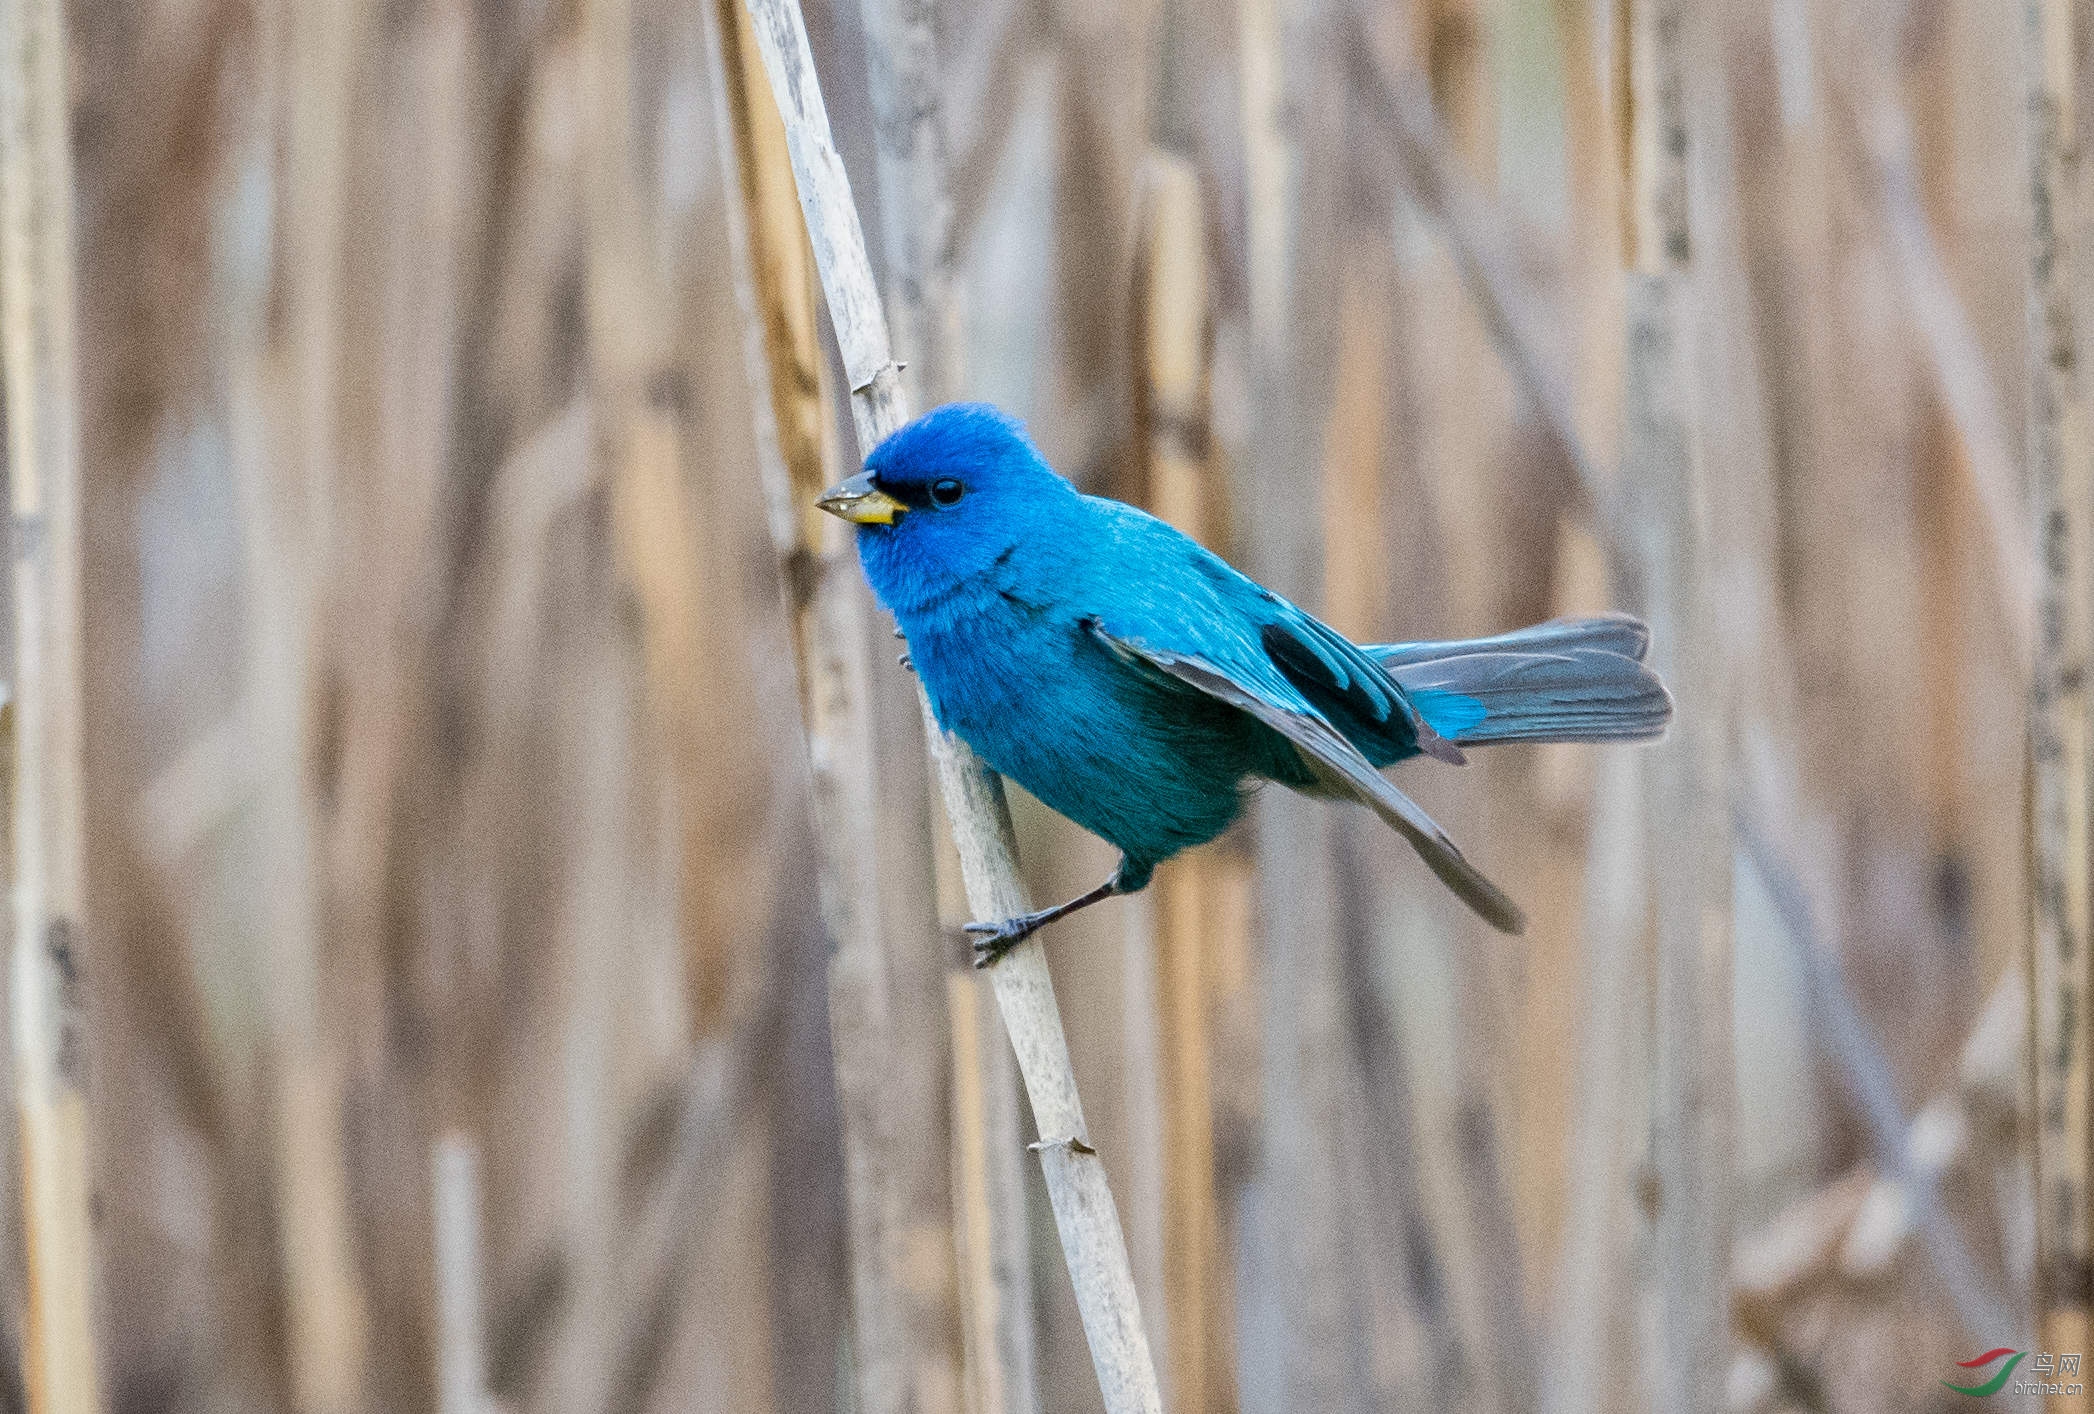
(993, 940)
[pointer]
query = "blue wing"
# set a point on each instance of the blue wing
(1170, 591)
(1371, 709)
(1257, 684)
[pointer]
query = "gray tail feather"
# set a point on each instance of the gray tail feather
(1624, 634)
(1565, 680)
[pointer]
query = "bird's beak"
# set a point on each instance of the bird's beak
(860, 502)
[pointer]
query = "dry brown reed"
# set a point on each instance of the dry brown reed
(1083, 1208)
(46, 842)
(420, 412)
(2062, 511)
(1664, 481)
(903, 1289)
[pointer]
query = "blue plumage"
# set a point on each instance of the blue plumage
(1137, 684)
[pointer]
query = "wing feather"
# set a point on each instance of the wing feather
(1339, 763)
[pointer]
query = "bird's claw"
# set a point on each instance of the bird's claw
(993, 940)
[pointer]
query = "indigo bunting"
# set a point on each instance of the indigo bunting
(1134, 682)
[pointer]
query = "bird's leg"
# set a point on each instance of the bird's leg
(993, 940)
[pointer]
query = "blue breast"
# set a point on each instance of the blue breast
(1145, 764)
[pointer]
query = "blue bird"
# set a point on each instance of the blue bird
(1137, 684)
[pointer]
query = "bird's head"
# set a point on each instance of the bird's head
(944, 499)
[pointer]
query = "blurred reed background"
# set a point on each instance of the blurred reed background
(457, 999)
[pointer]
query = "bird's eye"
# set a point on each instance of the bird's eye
(946, 491)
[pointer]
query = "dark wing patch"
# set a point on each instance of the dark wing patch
(1340, 764)
(1311, 671)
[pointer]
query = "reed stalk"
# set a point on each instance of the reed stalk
(461, 1337)
(1590, 1321)
(1693, 1070)
(907, 1339)
(1513, 312)
(2061, 510)
(991, 1244)
(288, 482)
(1173, 385)
(1092, 1243)
(988, 1195)
(47, 846)
(986, 1190)
(1301, 1272)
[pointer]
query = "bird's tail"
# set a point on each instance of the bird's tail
(1565, 680)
